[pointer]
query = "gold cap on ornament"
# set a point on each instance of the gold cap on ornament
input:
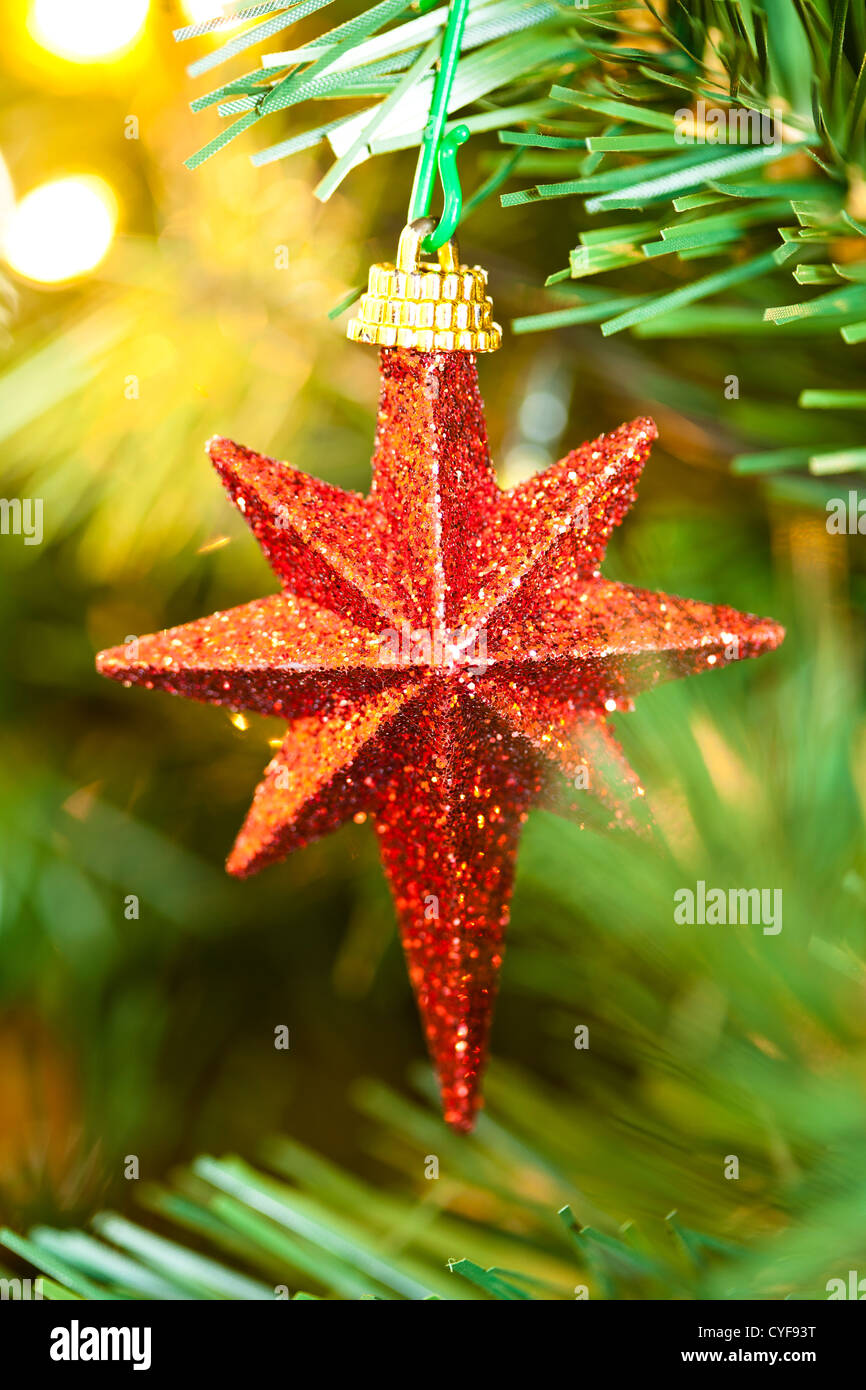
(433, 306)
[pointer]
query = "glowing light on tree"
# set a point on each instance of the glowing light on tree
(61, 229)
(88, 30)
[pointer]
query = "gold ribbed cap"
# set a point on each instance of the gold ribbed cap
(432, 306)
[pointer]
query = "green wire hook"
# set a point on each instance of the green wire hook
(452, 192)
(436, 149)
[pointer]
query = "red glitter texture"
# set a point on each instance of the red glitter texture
(446, 654)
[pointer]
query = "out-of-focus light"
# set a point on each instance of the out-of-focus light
(85, 31)
(543, 416)
(197, 10)
(216, 544)
(61, 229)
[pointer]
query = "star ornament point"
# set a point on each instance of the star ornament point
(446, 654)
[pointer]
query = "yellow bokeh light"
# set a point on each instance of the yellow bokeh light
(198, 10)
(61, 229)
(85, 31)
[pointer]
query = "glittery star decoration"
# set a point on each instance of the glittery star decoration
(446, 654)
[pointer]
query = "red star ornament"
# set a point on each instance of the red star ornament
(445, 654)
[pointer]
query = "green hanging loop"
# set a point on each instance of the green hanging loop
(435, 149)
(453, 193)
